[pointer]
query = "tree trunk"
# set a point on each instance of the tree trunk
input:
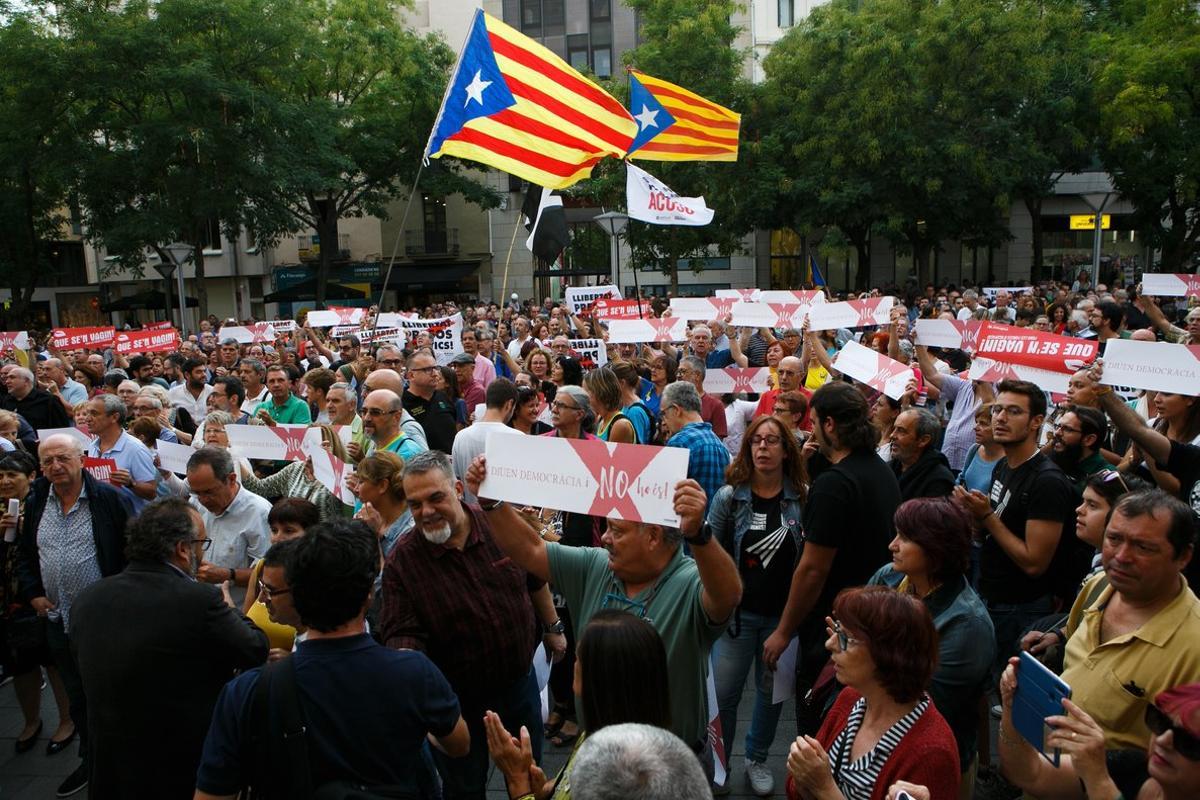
(674, 276)
(862, 280)
(1034, 206)
(920, 251)
(325, 212)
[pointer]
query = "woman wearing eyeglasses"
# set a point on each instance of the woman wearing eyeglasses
(1169, 770)
(883, 727)
(930, 558)
(756, 518)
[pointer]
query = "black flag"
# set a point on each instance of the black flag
(546, 222)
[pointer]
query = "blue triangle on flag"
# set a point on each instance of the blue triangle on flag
(817, 278)
(477, 88)
(651, 116)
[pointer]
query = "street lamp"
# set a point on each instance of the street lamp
(1097, 201)
(166, 270)
(180, 252)
(614, 223)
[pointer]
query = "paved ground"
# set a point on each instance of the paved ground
(35, 776)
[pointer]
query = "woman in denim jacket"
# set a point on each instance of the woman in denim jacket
(930, 559)
(756, 518)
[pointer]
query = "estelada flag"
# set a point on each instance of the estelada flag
(514, 105)
(675, 124)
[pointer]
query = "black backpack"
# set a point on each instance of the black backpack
(653, 438)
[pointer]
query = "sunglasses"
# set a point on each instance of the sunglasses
(1184, 741)
(1115, 475)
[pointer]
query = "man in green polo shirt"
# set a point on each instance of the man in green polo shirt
(281, 405)
(642, 569)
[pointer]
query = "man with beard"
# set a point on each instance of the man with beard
(450, 591)
(1075, 444)
(185, 637)
(1024, 517)
(381, 423)
(192, 395)
(920, 468)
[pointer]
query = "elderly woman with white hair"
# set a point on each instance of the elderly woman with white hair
(167, 414)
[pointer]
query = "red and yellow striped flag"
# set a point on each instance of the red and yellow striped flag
(514, 105)
(675, 124)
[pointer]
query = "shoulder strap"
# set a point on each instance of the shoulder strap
(276, 690)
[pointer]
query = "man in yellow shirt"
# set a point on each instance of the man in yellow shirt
(1139, 636)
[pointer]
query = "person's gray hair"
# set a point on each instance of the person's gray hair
(682, 394)
(927, 424)
(256, 365)
(221, 418)
(700, 327)
(694, 363)
(632, 761)
(113, 405)
(429, 461)
(154, 401)
(1080, 318)
(133, 385)
(351, 395)
(218, 459)
(116, 372)
(77, 446)
(579, 395)
(21, 372)
(970, 294)
(229, 340)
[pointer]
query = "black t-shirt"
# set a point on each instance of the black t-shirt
(1036, 490)
(850, 507)
(768, 558)
(1184, 464)
(436, 417)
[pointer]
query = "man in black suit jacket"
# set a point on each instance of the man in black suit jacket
(154, 648)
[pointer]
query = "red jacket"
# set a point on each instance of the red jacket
(927, 755)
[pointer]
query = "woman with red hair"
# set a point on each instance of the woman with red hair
(883, 728)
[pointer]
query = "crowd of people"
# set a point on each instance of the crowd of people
(241, 627)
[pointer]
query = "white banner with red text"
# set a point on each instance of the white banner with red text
(867, 366)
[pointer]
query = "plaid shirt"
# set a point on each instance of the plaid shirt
(707, 457)
(468, 610)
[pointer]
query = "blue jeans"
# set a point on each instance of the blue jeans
(732, 658)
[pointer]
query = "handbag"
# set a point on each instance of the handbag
(26, 632)
(286, 743)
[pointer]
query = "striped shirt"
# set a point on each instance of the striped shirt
(856, 779)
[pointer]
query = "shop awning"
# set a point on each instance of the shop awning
(307, 290)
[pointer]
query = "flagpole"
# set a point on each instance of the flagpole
(395, 249)
(507, 261)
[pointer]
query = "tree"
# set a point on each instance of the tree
(357, 101)
(1150, 122)
(689, 43)
(37, 148)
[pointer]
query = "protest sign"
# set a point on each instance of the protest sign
(588, 476)
(955, 334)
(83, 437)
(331, 472)
(336, 315)
(1167, 284)
(1158, 366)
(282, 325)
(14, 340)
(874, 369)
(651, 201)
(746, 295)
(100, 468)
(607, 308)
(769, 315)
(985, 369)
(1033, 348)
(173, 456)
(146, 341)
(992, 291)
(445, 334)
(871, 312)
(391, 319)
(734, 380)
(161, 325)
(338, 331)
(808, 297)
(591, 353)
(716, 739)
(71, 338)
(702, 308)
(257, 333)
(580, 298)
(653, 329)
(274, 442)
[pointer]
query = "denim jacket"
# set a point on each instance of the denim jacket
(730, 512)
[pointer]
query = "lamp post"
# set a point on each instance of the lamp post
(180, 252)
(1097, 201)
(614, 223)
(166, 270)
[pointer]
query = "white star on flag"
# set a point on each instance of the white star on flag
(647, 118)
(475, 88)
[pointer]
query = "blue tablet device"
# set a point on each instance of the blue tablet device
(1039, 695)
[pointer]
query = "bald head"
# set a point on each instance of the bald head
(790, 372)
(381, 415)
(384, 379)
(1143, 335)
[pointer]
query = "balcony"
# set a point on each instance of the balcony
(436, 242)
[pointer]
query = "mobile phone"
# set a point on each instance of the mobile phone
(14, 508)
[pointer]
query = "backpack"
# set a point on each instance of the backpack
(653, 436)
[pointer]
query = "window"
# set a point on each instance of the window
(602, 62)
(531, 17)
(210, 235)
(435, 224)
(577, 50)
(553, 19)
(787, 13)
(601, 9)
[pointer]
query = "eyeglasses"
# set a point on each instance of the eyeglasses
(558, 405)
(1184, 741)
(1067, 429)
(376, 412)
(769, 439)
(423, 369)
(205, 544)
(1011, 411)
(270, 592)
(390, 362)
(844, 640)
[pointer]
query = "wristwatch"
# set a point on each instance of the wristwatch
(492, 506)
(555, 627)
(701, 538)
